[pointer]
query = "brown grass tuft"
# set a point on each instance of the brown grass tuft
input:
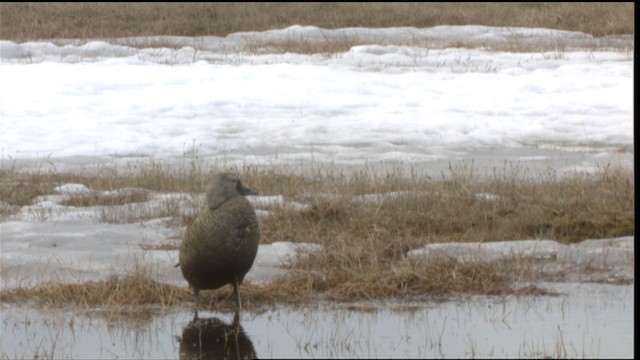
(114, 292)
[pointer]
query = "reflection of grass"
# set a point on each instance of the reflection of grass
(366, 222)
(417, 329)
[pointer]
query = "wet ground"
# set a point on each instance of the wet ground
(584, 320)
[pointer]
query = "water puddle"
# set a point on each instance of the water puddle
(585, 320)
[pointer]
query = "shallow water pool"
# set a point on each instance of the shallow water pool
(585, 320)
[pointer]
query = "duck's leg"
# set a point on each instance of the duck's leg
(196, 292)
(236, 291)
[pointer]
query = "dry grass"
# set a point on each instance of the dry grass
(407, 207)
(358, 279)
(366, 222)
(402, 279)
(464, 207)
(29, 21)
(114, 292)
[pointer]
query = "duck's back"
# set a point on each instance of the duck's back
(220, 244)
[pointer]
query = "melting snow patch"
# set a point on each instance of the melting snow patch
(609, 252)
(283, 253)
(273, 257)
(488, 196)
(276, 201)
(11, 50)
(72, 189)
(542, 249)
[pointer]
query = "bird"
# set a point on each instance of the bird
(221, 243)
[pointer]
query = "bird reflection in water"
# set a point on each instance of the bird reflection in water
(211, 338)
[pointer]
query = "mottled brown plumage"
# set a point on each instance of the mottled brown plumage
(222, 242)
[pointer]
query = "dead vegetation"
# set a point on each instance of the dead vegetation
(31, 21)
(506, 205)
(407, 207)
(352, 282)
(113, 292)
(366, 222)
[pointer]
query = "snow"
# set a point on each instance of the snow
(609, 252)
(423, 97)
(72, 189)
(379, 101)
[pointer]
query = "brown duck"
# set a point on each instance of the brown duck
(222, 242)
